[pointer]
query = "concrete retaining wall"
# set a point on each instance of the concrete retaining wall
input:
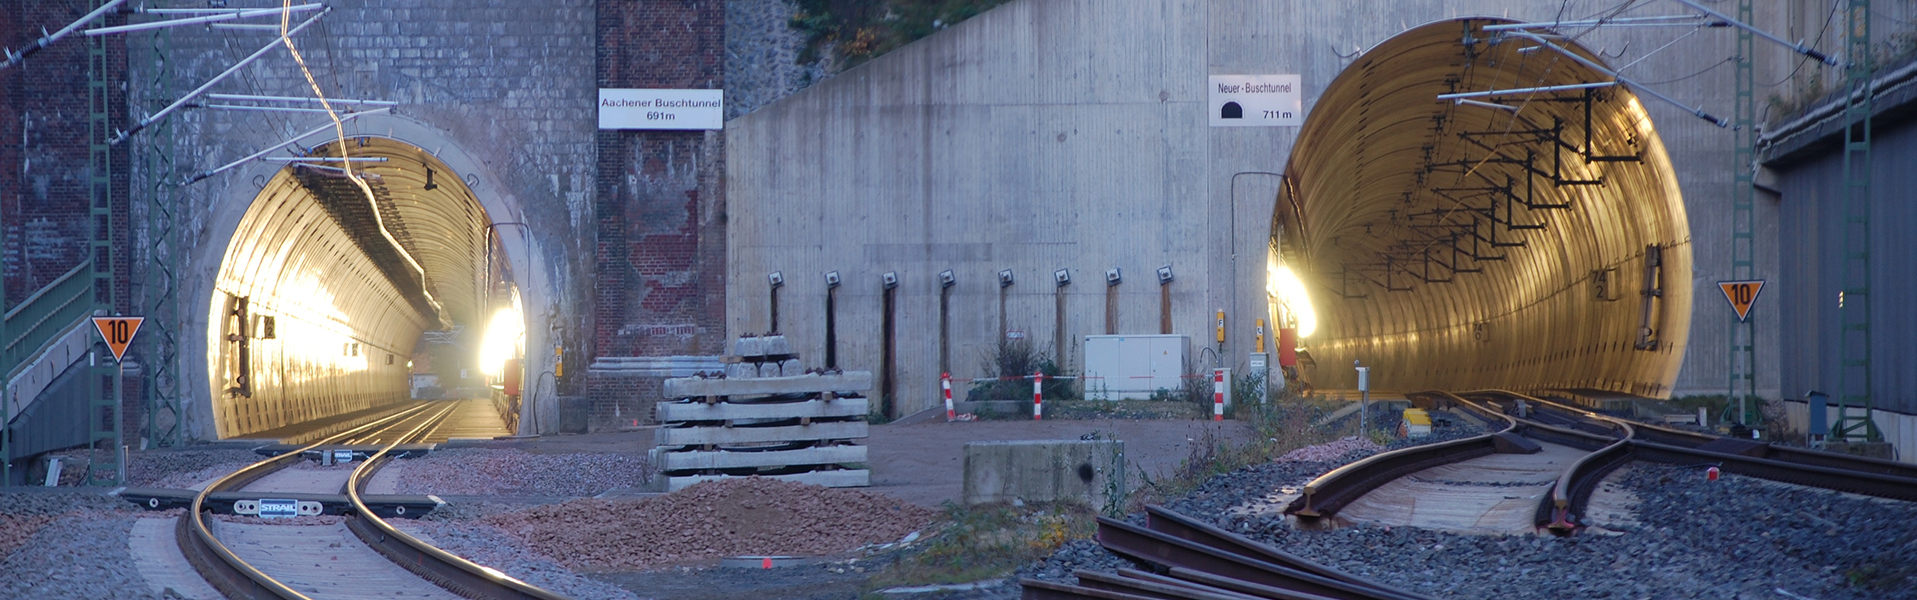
(1090, 471)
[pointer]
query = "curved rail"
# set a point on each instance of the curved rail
(224, 570)
(449, 571)
(1650, 432)
(1562, 508)
(1329, 493)
(237, 579)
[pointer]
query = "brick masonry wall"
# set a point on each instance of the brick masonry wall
(44, 160)
(659, 257)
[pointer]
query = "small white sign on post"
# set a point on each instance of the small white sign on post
(661, 109)
(1256, 101)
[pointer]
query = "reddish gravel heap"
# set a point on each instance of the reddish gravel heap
(16, 529)
(712, 520)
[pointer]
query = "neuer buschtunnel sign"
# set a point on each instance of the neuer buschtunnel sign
(661, 109)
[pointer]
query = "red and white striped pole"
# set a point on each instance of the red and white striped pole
(1038, 395)
(1217, 394)
(945, 381)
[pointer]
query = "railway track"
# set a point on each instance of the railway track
(362, 557)
(1196, 561)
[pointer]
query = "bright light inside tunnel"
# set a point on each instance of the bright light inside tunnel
(1284, 286)
(502, 340)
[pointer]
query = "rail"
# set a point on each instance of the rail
(1329, 493)
(45, 314)
(1200, 562)
(238, 580)
(457, 574)
(224, 570)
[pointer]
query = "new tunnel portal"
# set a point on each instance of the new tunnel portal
(1524, 240)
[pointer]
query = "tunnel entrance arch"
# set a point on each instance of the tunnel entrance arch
(313, 298)
(1521, 241)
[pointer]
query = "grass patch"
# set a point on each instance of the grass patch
(989, 541)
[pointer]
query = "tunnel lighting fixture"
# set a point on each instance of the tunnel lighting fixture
(831, 279)
(289, 141)
(1062, 277)
(776, 278)
(225, 15)
(190, 96)
(1287, 289)
(947, 278)
(298, 99)
(890, 279)
(1164, 275)
(502, 339)
(1005, 278)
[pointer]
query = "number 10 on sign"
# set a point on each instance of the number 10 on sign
(118, 332)
(1741, 294)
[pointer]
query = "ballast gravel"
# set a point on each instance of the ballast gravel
(76, 549)
(710, 520)
(1737, 538)
(486, 545)
(507, 471)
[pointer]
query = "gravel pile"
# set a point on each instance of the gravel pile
(712, 520)
(487, 545)
(483, 471)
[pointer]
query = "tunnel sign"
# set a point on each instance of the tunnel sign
(118, 332)
(661, 109)
(1256, 101)
(1742, 295)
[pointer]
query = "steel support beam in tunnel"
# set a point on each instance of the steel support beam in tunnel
(1526, 241)
(323, 291)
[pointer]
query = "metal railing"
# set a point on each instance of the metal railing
(46, 314)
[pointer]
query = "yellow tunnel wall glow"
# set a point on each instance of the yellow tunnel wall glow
(1459, 246)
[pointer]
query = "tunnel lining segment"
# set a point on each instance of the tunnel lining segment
(1467, 245)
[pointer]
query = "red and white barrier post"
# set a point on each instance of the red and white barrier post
(1038, 395)
(945, 382)
(1217, 394)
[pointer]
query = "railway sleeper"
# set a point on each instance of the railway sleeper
(405, 506)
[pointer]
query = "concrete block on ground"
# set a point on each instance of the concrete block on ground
(721, 459)
(698, 436)
(1090, 471)
(670, 412)
(739, 370)
(791, 367)
(776, 345)
(841, 478)
(748, 346)
(768, 370)
(849, 381)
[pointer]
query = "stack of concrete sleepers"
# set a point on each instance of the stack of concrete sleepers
(765, 417)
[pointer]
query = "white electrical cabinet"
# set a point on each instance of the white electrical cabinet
(1131, 367)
